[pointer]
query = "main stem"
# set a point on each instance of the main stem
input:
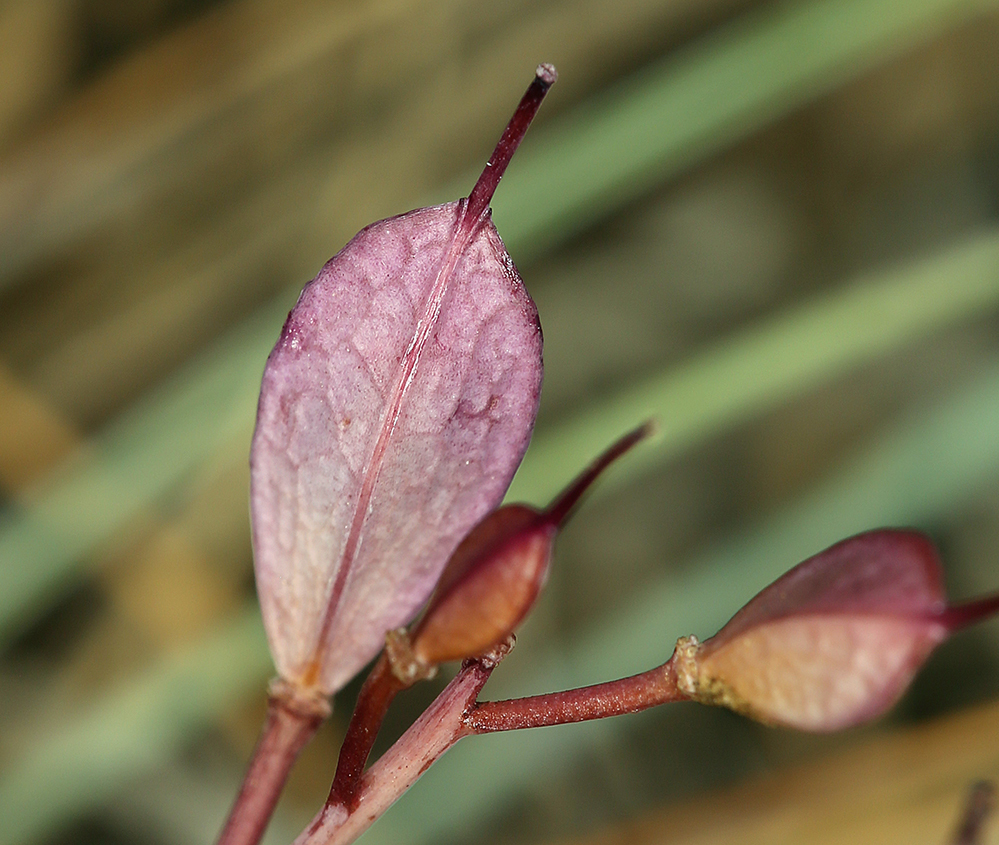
(291, 722)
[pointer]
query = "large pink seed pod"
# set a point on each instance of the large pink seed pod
(394, 411)
(832, 643)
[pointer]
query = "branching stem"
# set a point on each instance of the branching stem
(456, 713)
(441, 726)
(614, 698)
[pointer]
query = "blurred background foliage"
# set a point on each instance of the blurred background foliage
(774, 225)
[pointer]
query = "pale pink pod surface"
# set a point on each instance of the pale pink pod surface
(393, 414)
(833, 643)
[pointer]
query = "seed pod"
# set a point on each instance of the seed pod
(508, 552)
(832, 643)
(496, 574)
(394, 410)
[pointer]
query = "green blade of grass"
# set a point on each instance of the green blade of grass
(687, 107)
(134, 729)
(156, 443)
(769, 362)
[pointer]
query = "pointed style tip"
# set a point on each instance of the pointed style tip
(482, 193)
(560, 509)
(958, 616)
(648, 429)
(546, 74)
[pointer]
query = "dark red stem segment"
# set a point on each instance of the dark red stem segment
(627, 695)
(559, 510)
(980, 805)
(380, 687)
(962, 615)
(289, 726)
(482, 193)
